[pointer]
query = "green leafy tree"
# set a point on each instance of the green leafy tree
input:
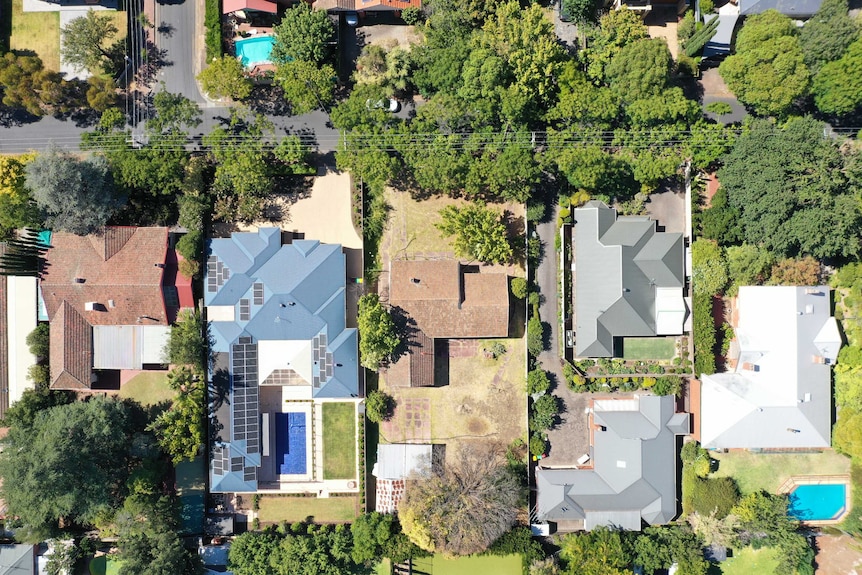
(537, 381)
(306, 85)
(767, 72)
(38, 341)
(378, 337)
(180, 429)
(581, 11)
(378, 535)
(581, 102)
(173, 113)
(323, 550)
(187, 344)
(640, 69)
(519, 287)
(378, 406)
(747, 265)
(837, 88)
(479, 232)
(463, 506)
(535, 336)
(709, 269)
(85, 41)
(303, 34)
(617, 29)
(721, 221)
(790, 188)
(22, 414)
(225, 78)
(847, 434)
(544, 412)
(658, 547)
(69, 466)
(156, 551)
(251, 553)
(592, 169)
(601, 551)
(102, 93)
(828, 34)
(715, 495)
(73, 195)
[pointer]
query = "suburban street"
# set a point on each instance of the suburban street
(176, 34)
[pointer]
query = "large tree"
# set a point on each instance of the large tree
(180, 428)
(251, 553)
(73, 195)
(303, 34)
(827, 34)
(479, 233)
(307, 86)
(26, 84)
(85, 41)
(463, 507)
(378, 338)
(792, 193)
(69, 466)
(767, 72)
(617, 29)
(837, 88)
(640, 69)
(173, 113)
(225, 78)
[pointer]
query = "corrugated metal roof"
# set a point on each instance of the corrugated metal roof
(128, 346)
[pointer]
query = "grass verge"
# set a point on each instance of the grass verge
(339, 441)
(291, 509)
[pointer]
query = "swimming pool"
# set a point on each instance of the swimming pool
(290, 443)
(254, 50)
(819, 502)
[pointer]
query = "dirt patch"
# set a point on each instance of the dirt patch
(838, 555)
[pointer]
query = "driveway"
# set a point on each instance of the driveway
(668, 208)
(715, 90)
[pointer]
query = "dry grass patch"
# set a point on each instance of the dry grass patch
(37, 32)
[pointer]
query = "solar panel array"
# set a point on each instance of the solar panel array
(246, 425)
(221, 461)
(244, 310)
(322, 360)
(172, 298)
(258, 293)
(217, 274)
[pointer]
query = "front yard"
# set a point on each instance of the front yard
(441, 565)
(339, 441)
(274, 509)
(767, 471)
(35, 31)
(645, 348)
(748, 561)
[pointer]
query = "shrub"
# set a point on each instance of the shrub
(719, 108)
(38, 341)
(718, 494)
(212, 21)
(535, 211)
(703, 328)
(496, 350)
(191, 245)
(667, 385)
(686, 28)
(579, 198)
(538, 444)
(412, 16)
(519, 287)
(537, 381)
(544, 412)
(695, 458)
(39, 374)
(189, 268)
(535, 336)
(378, 406)
(534, 298)
(706, 7)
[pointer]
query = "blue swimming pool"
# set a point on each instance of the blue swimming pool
(290, 453)
(254, 50)
(818, 502)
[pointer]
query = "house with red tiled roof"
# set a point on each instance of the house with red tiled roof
(110, 298)
(444, 300)
(362, 6)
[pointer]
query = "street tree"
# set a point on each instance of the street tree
(85, 41)
(462, 507)
(225, 78)
(307, 85)
(173, 114)
(73, 195)
(640, 69)
(827, 34)
(837, 88)
(378, 337)
(27, 85)
(767, 72)
(68, 467)
(303, 34)
(479, 233)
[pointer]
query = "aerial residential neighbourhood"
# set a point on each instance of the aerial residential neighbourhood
(430, 287)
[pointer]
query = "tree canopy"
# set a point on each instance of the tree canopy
(479, 233)
(828, 34)
(767, 72)
(303, 34)
(76, 196)
(837, 88)
(85, 41)
(378, 337)
(225, 78)
(462, 507)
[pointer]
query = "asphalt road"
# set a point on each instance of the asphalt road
(546, 279)
(175, 36)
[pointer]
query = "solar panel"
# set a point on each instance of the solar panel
(249, 474)
(244, 310)
(172, 298)
(245, 393)
(258, 293)
(217, 273)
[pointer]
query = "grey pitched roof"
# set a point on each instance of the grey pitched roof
(17, 560)
(619, 263)
(785, 401)
(792, 8)
(634, 468)
(277, 315)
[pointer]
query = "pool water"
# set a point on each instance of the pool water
(254, 50)
(290, 454)
(817, 502)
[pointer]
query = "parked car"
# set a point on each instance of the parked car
(388, 104)
(352, 19)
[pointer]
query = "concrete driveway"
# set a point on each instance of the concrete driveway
(715, 90)
(668, 208)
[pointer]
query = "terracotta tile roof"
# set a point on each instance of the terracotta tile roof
(445, 302)
(362, 5)
(71, 349)
(119, 265)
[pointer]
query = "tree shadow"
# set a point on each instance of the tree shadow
(268, 100)
(166, 29)
(407, 331)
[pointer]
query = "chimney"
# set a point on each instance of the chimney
(112, 303)
(414, 281)
(79, 280)
(749, 366)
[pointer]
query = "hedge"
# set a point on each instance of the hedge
(703, 328)
(212, 20)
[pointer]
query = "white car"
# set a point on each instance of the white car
(388, 104)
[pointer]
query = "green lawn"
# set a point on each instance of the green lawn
(104, 565)
(37, 32)
(383, 568)
(339, 441)
(440, 565)
(292, 509)
(148, 388)
(749, 561)
(649, 347)
(755, 471)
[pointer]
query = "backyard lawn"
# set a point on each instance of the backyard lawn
(440, 565)
(649, 347)
(36, 31)
(292, 509)
(748, 561)
(339, 441)
(148, 388)
(755, 471)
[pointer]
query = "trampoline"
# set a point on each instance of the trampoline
(290, 443)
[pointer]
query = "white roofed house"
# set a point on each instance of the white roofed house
(778, 395)
(396, 464)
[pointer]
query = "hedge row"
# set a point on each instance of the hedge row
(704, 335)
(212, 20)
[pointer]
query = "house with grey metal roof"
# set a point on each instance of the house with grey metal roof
(777, 393)
(629, 280)
(277, 316)
(631, 475)
(797, 9)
